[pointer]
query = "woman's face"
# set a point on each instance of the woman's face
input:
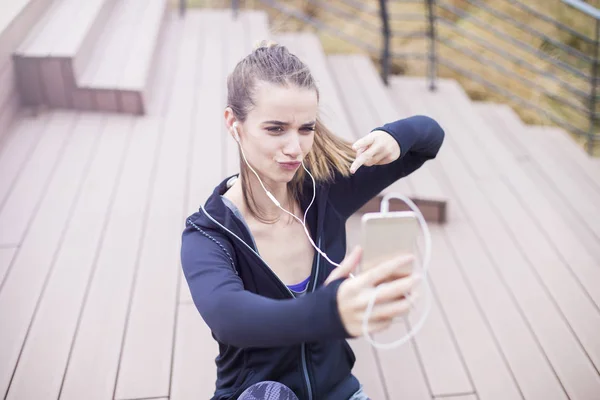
(279, 131)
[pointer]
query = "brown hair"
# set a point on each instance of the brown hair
(273, 63)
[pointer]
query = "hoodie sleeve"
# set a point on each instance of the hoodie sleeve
(241, 318)
(420, 138)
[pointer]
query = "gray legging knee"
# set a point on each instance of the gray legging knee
(268, 390)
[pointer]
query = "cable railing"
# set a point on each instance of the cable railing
(575, 72)
(556, 80)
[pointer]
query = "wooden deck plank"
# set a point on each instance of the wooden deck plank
(485, 362)
(528, 353)
(359, 110)
(9, 113)
(152, 317)
(565, 147)
(16, 151)
(17, 18)
(46, 351)
(82, 21)
(433, 365)
(10, 10)
(582, 265)
(401, 367)
(166, 65)
(9, 95)
(206, 144)
(116, 51)
(47, 29)
(136, 72)
(362, 117)
(445, 369)
(431, 362)
(368, 367)
(519, 345)
(576, 192)
(568, 278)
(367, 370)
(237, 47)
(546, 186)
(20, 41)
(122, 24)
(24, 283)
(7, 254)
(569, 357)
(93, 364)
(95, 357)
(526, 289)
(194, 370)
(24, 197)
(436, 346)
(477, 161)
(330, 108)
(331, 111)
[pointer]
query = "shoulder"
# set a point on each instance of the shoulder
(202, 245)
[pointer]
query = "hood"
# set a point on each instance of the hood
(215, 215)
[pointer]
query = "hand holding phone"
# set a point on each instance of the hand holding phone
(354, 294)
(386, 263)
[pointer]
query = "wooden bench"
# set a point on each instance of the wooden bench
(92, 55)
(16, 18)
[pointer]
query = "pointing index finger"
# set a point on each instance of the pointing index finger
(358, 162)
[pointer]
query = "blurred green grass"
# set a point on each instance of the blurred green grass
(365, 25)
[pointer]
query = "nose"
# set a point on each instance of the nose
(292, 147)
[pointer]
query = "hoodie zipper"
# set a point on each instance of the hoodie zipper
(303, 346)
(303, 349)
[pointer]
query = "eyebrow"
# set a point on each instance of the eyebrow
(280, 123)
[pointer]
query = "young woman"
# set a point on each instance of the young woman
(279, 310)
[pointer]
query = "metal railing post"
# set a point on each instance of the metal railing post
(432, 38)
(235, 5)
(593, 92)
(385, 30)
(182, 7)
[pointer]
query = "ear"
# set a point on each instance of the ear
(230, 120)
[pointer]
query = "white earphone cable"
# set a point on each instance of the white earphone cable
(384, 209)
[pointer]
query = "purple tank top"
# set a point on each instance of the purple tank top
(299, 288)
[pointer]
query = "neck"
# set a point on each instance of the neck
(262, 200)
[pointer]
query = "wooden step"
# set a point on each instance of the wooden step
(102, 62)
(16, 19)
(559, 143)
(568, 190)
(118, 75)
(369, 104)
(57, 46)
(516, 273)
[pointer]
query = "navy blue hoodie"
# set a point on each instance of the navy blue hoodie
(264, 332)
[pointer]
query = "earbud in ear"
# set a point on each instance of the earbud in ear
(236, 135)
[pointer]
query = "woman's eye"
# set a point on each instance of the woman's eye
(275, 129)
(309, 129)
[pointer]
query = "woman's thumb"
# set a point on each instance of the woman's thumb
(346, 267)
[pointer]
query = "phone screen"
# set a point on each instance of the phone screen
(388, 235)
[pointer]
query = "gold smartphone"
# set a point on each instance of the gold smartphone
(388, 235)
